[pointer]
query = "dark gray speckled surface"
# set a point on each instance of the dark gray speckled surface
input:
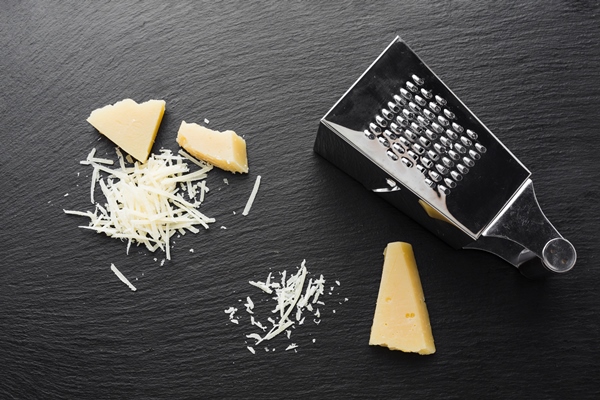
(70, 329)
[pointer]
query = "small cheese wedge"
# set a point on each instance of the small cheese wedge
(130, 125)
(225, 150)
(401, 320)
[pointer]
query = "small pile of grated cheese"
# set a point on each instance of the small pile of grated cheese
(145, 203)
(294, 297)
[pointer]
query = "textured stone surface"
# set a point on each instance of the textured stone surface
(70, 329)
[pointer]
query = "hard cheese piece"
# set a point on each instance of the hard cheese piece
(130, 125)
(401, 320)
(225, 150)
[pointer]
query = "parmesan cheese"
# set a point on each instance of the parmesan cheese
(294, 295)
(122, 277)
(143, 201)
(131, 126)
(252, 196)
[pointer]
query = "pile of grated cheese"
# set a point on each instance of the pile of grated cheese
(294, 299)
(146, 203)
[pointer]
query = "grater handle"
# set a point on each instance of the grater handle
(523, 222)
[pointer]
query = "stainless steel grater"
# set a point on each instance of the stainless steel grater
(401, 132)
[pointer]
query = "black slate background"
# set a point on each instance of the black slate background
(70, 329)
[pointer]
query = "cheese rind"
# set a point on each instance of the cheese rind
(401, 321)
(225, 150)
(131, 126)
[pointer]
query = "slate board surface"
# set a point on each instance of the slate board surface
(70, 329)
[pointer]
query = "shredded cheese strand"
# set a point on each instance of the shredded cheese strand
(252, 196)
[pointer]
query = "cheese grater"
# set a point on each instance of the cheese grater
(402, 133)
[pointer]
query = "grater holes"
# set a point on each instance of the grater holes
(433, 155)
(390, 135)
(408, 114)
(384, 142)
(424, 141)
(387, 114)
(406, 94)
(454, 155)
(437, 128)
(449, 114)
(443, 121)
(427, 163)
(417, 80)
(420, 101)
(410, 135)
(466, 141)
(395, 128)
(404, 141)
(444, 190)
(398, 147)
(451, 134)
(435, 176)
(401, 120)
(430, 135)
(418, 148)
(434, 107)
(412, 87)
(392, 155)
(412, 155)
(400, 101)
(374, 128)
(460, 148)
(442, 169)
(439, 148)
(462, 169)
(381, 121)
(415, 108)
(428, 114)
(447, 162)
(468, 162)
(407, 162)
(457, 127)
(445, 141)
(393, 107)
(418, 128)
(450, 183)
(472, 134)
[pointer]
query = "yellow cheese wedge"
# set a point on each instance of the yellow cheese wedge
(401, 320)
(225, 150)
(130, 125)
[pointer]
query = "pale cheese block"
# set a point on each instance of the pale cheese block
(401, 321)
(225, 150)
(131, 126)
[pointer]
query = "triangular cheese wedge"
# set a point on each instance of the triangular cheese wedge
(130, 125)
(225, 150)
(401, 321)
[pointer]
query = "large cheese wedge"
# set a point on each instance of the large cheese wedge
(130, 125)
(401, 320)
(225, 150)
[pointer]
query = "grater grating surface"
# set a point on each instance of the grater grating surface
(405, 135)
